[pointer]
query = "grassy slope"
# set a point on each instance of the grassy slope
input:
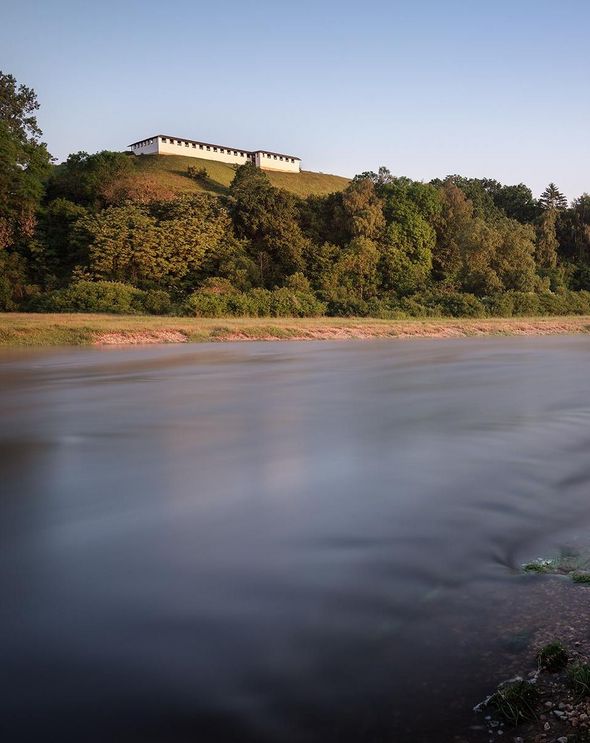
(20, 329)
(170, 172)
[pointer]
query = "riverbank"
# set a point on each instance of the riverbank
(32, 329)
(545, 694)
(23, 329)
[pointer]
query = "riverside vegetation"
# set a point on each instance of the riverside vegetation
(110, 232)
(552, 703)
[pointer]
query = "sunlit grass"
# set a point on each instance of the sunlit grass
(32, 329)
(170, 171)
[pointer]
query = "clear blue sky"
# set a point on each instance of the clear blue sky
(427, 87)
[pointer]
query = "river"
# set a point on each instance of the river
(279, 541)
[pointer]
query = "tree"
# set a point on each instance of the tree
(92, 180)
(24, 161)
(124, 244)
(380, 178)
(451, 226)
(165, 246)
(517, 202)
(498, 257)
(362, 210)
(320, 261)
(552, 198)
(59, 250)
(479, 247)
(410, 208)
(514, 261)
(355, 274)
(267, 218)
(479, 191)
(547, 243)
(191, 228)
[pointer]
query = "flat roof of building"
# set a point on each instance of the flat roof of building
(209, 144)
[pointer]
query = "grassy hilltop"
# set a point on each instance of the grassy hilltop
(170, 172)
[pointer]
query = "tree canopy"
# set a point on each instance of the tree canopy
(385, 245)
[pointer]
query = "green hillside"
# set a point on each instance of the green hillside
(170, 172)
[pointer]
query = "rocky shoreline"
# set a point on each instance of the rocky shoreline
(548, 701)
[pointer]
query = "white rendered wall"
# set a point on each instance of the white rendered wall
(266, 161)
(173, 146)
(147, 147)
(194, 149)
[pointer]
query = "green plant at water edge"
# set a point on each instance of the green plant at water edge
(539, 565)
(583, 578)
(552, 657)
(515, 701)
(579, 678)
(568, 562)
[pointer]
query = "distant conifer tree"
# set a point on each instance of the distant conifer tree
(552, 198)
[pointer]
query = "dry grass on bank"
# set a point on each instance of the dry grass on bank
(20, 329)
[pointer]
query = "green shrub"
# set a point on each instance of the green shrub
(218, 285)
(205, 304)
(457, 304)
(156, 302)
(553, 304)
(499, 305)
(93, 296)
(282, 302)
(552, 657)
(385, 309)
(258, 302)
(515, 701)
(540, 565)
(579, 679)
(292, 303)
(347, 307)
(525, 304)
(443, 304)
(414, 307)
(577, 303)
(298, 281)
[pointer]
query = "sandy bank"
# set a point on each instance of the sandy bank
(19, 329)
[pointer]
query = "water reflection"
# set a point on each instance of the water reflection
(276, 541)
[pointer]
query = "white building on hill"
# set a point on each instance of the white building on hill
(161, 144)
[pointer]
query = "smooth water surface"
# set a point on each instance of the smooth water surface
(276, 541)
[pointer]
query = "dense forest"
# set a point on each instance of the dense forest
(82, 236)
